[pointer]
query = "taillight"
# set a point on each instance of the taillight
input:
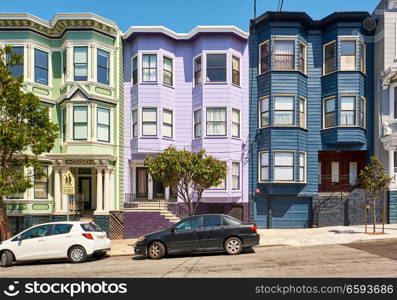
(253, 228)
(88, 236)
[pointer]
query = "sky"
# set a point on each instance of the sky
(181, 15)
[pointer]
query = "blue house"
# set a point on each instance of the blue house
(311, 116)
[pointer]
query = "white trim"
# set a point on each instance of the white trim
(201, 71)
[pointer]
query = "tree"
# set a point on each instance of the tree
(374, 180)
(25, 133)
(189, 173)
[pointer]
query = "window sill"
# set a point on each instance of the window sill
(236, 138)
(149, 83)
(216, 137)
(39, 85)
(236, 86)
(168, 138)
(353, 126)
(168, 86)
(149, 137)
(216, 83)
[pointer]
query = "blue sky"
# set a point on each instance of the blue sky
(181, 15)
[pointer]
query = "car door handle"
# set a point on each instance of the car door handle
(41, 240)
(68, 236)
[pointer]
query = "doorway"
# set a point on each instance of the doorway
(85, 190)
(141, 183)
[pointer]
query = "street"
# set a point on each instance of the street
(364, 259)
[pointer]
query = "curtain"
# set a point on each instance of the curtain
(284, 54)
(216, 121)
(283, 110)
(236, 175)
(348, 110)
(284, 166)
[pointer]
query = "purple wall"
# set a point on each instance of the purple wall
(183, 98)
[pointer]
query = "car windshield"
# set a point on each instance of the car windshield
(91, 227)
(231, 221)
(190, 223)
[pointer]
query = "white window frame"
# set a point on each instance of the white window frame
(206, 121)
(142, 122)
(239, 123)
(348, 39)
(261, 125)
(238, 175)
(164, 123)
(234, 56)
(285, 166)
(273, 60)
(110, 68)
(49, 53)
(293, 110)
(355, 110)
(110, 123)
(200, 124)
(88, 62)
(137, 70)
(173, 70)
(260, 166)
(304, 112)
(157, 67)
(204, 62)
(201, 70)
(324, 113)
(303, 180)
(88, 123)
(136, 123)
(24, 56)
(215, 188)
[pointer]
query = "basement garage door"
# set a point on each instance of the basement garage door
(290, 213)
(261, 211)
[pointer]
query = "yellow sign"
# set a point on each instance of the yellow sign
(68, 183)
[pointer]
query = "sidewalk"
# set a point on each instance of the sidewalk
(293, 237)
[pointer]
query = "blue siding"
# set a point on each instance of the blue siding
(393, 207)
(290, 213)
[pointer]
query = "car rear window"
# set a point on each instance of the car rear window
(231, 221)
(61, 229)
(91, 227)
(211, 221)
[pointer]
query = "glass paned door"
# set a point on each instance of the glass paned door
(141, 183)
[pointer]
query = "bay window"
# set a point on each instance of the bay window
(329, 112)
(80, 122)
(149, 67)
(16, 169)
(235, 123)
(197, 123)
(283, 166)
(302, 166)
(216, 121)
(167, 71)
(17, 69)
(216, 67)
(103, 124)
(149, 122)
(264, 166)
(64, 124)
(222, 184)
(103, 66)
(135, 123)
(134, 68)
(329, 57)
(64, 63)
(283, 110)
(80, 62)
(236, 70)
(302, 112)
(167, 123)
(264, 57)
(265, 114)
(197, 70)
(40, 66)
(235, 175)
(348, 110)
(284, 55)
(302, 57)
(363, 57)
(363, 112)
(348, 55)
(41, 185)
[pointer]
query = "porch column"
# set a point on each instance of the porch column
(133, 178)
(99, 190)
(150, 187)
(391, 162)
(57, 190)
(112, 205)
(106, 190)
(167, 193)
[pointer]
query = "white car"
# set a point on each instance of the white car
(57, 240)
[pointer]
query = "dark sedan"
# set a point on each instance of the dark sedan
(200, 233)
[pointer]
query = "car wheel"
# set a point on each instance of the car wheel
(6, 259)
(99, 255)
(233, 246)
(156, 250)
(77, 255)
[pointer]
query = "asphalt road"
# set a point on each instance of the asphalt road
(365, 259)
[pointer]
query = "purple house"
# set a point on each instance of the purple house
(191, 91)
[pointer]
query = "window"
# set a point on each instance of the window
(216, 121)
(135, 123)
(103, 66)
(188, 224)
(264, 57)
(35, 232)
(230, 221)
(15, 168)
(149, 67)
(41, 185)
(80, 62)
(284, 55)
(329, 58)
(363, 112)
(80, 122)
(222, 184)
(302, 166)
(235, 123)
(197, 123)
(64, 124)
(216, 67)
(348, 110)
(283, 166)
(91, 227)
(265, 116)
(302, 58)
(329, 113)
(103, 124)
(64, 63)
(197, 70)
(348, 55)
(40, 66)
(167, 123)
(167, 71)
(17, 69)
(212, 221)
(61, 229)
(302, 112)
(363, 57)
(134, 70)
(235, 175)
(283, 110)
(264, 166)
(235, 70)
(149, 121)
